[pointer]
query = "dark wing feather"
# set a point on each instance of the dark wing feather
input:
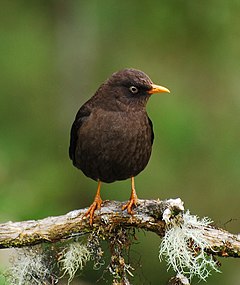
(151, 126)
(81, 116)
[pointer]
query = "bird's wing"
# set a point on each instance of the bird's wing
(83, 113)
(151, 126)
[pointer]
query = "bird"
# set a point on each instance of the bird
(111, 137)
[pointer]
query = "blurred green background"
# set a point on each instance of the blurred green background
(54, 55)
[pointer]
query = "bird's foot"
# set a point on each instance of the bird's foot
(130, 204)
(96, 205)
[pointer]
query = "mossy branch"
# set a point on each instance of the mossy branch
(150, 215)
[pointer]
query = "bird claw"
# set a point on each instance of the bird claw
(129, 205)
(96, 205)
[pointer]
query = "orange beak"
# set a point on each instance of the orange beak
(157, 89)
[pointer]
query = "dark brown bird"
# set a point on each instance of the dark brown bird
(112, 135)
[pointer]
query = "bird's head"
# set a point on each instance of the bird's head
(130, 87)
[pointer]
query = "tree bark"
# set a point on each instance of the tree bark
(149, 216)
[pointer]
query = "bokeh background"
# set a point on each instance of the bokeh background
(54, 55)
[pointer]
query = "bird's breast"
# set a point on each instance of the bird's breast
(114, 145)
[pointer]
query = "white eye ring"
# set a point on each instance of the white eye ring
(133, 89)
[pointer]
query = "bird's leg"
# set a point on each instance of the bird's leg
(133, 199)
(95, 205)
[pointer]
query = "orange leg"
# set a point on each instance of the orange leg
(95, 205)
(133, 199)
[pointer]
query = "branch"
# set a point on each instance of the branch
(150, 215)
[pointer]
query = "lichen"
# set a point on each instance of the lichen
(120, 241)
(30, 266)
(183, 247)
(95, 249)
(73, 258)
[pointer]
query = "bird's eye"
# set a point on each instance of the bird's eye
(133, 89)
